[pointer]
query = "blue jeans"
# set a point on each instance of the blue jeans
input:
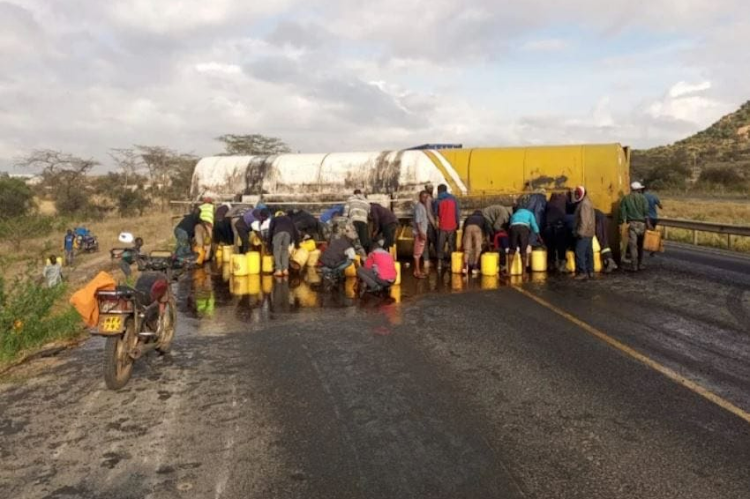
(584, 255)
(183, 249)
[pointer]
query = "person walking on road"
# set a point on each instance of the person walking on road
(522, 225)
(282, 233)
(52, 272)
(634, 213)
(384, 223)
(449, 218)
(654, 205)
(357, 209)
(421, 224)
(585, 229)
(476, 230)
(69, 247)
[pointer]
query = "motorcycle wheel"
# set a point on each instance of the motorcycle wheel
(118, 365)
(167, 326)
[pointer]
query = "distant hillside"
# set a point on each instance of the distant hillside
(717, 157)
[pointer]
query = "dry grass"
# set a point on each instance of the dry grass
(734, 212)
(155, 229)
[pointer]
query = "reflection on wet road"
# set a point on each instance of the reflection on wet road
(449, 387)
(260, 297)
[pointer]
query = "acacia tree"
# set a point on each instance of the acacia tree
(252, 145)
(128, 161)
(63, 175)
(170, 172)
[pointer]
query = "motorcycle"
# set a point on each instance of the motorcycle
(135, 320)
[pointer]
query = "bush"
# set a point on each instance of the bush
(28, 316)
(725, 175)
(19, 229)
(16, 198)
(668, 176)
(72, 202)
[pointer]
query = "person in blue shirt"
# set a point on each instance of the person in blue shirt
(522, 225)
(654, 205)
(68, 246)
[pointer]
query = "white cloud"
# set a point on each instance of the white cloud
(218, 67)
(546, 45)
(681, 88)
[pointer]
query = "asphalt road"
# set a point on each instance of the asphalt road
(457, 392)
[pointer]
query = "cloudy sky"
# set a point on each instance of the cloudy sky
(333, 75)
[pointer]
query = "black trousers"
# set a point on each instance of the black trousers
(363, 231)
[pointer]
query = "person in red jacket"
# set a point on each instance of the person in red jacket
(449, 216)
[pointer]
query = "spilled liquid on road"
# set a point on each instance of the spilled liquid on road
(220, 300)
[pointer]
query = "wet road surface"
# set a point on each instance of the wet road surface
(449, 388)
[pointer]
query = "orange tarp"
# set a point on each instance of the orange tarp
(84, 300)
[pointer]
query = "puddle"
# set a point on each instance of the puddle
(212, 292)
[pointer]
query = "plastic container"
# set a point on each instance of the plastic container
(201, 255)
(218, 254)
(299, 258)
(239, 265)
(309, 245)
(312, 259)
(253, 263)
(267, 264)
(652, 241)
(516, 265)
(570, 261)
(597, 261)
(457, 262)
(351, 270)
(490, 264)
(460, 239)
(226, 272)
(396, 293)
(226, 253)
(397, 282)
(350, 287)
(59, 260)
(539, 260)
(595, 244)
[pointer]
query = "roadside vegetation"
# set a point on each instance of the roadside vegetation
(729, 211)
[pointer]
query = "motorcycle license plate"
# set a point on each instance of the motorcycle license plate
(111, 324)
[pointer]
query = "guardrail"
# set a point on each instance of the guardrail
(716, 228)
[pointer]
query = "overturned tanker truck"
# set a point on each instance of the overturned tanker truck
(477, 177)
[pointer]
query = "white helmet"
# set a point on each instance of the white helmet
(637, 186)
(126, 237)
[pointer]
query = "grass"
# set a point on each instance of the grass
(735, 212)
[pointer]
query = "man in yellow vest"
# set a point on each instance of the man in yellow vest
(204, 230)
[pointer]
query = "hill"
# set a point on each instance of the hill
(715, 158)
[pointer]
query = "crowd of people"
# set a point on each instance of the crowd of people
(363, 231)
